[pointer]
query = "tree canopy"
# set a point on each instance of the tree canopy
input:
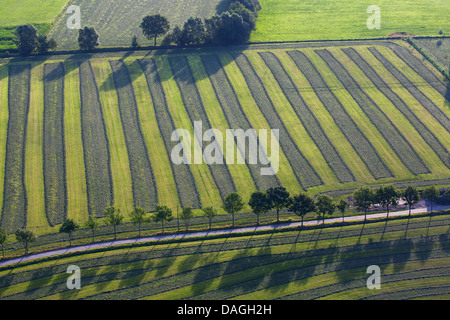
(155, 26)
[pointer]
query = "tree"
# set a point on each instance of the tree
(252, 5)
(301, 204)
(430, 194)
(138, 217)
(233, 204)
(342, 206)
(88, 39)
(447, 195)
(411, 196)
(69, 226)
(25, 237)
(260, 204)
(155, 26)
(3, 236)
(134, 42)
(162, 213)
(113, 218)
(364, 198)
(44, 45)
(26, 39)
(193, 33)
(386, 197)
(233, 29)
(210, 213)
(325, 206)
(186, 215)
(247, 15)
(93, 225)
(279, 199)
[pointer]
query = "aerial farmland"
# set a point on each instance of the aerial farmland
(227, 150)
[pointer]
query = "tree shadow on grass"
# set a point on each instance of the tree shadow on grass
(424, 247)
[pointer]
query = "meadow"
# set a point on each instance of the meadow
(317, 263)
(86, 132)
(293, 20)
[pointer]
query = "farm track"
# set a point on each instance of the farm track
(184, 180)
(426, 134)
(95, 144)
(347, 125)
(196, 110)
(14, 210)
(418, 95)
(236, 117)
(145, 192)
(385, 126)
(308, 119)
(54, 144)
(300, 165)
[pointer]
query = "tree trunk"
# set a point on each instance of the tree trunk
(3, 251)
(387, 210)
(155, 41)
(93, 236)
(410, 210)
(70, 240)
(26, 247)
(114, 232)
(139, 230)
(278, 215)
(233, 220)
(257, 219)
(210, 224)
(302, 220)
(163, 225)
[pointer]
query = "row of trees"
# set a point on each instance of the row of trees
(260, 202)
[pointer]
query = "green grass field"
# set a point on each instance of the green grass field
(368, 114)
(320, 263)
(294, 20)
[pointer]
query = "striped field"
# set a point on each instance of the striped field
(81, 134)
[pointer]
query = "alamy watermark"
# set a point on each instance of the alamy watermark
(374, 21)
(374, 280)
(214, 153)
(74, 21)
(74, 281)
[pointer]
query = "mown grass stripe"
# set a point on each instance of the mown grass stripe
(196, 110)
(419, 67)
(53, 144)
(144, 188)
(302, 168)
(14, 211)
(386, 127)
(184, 179)
(241, 174)
(96, 146)
(235, 115)
(120, 166)
(308, 119)
(382, 86)
(353, 134)
(77, 197)
(37, 220)
(412, 88)
(4, 116)
(167, 190)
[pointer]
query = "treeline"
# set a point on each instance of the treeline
(275, 199)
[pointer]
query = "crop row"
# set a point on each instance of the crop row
(360, 282)
(302, 269)
(414, 63)
(196, 110)
(14, 211)
(409, 85)
(238, 270)
(381, 85)
(351, 131)
(184, 180)
(414, 293)
(303, 170)
(144, 188)
(235, 115)
(390, 132)
(276, 240)
(308, 119)
(54, 145)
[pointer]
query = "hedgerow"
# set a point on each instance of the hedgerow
(434, 110)
(54, 145)
(14, 212)
(381, 85)
(95, 144)
(145, 192)
(184, 180)
(308, 119)
(354, 135)
(196, 110)
(235, 115)
(385, 126)
(303, 170)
